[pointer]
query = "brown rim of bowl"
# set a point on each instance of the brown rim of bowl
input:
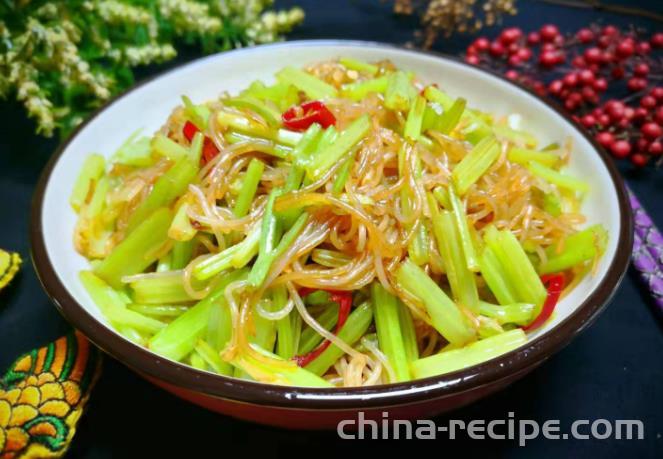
(387, 395)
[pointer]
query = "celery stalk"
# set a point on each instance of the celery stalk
(390, 336)
(461, 279)
(475, 164)
(354, 328)
(524, 156)
(360, 89)
(159, 310)
(557, 178)
(301, 154)
(312, 86)
(399, 92)
(324, 160)
(243, 124)
(415, 118)
(249, 187)
(181, 228)
(472, 354)
(212, 358)
(197, 362)
(451, 117)
(198, 114)
(181, 254)
(441, 195)
(265, 331)
(270, 231)
(360, 66)
(445, 315)
(135, 151)
(330, 258)
(180, 337)
(138, 250)
(515, 313)
(496, 277)
(236, 256)
(409, 333)
(310, 338)
(288, 328)
(260, 144)
(268, 113)
(463, 228)
(342, 176)
(93, 168)
(168, 148)
(433, 94)
(578, 248)
(160, 290)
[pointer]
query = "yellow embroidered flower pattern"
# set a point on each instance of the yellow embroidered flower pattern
(42, 397)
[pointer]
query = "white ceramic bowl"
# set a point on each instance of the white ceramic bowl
(148, 105)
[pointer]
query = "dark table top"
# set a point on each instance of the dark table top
(613, 370)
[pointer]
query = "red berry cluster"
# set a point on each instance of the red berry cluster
(578, 69)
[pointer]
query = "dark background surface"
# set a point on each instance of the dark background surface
(614, 370)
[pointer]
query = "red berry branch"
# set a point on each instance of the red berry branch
(579, 69)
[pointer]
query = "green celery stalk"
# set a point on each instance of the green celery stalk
(312, 86)
(243, 124)
(360, 89)
(557, 178)
(399, 92)
(418, 247)
(390, 336)
(138, 250)
(552, 204)
(180, 337)
(524, 156)
(463, 228)
(270, 231)
(181, 254)
(445, 315)
(301, 154)
(287, 329)
(441, 195)
(164, 263)
(354, 328)
(198, 114)
(160, 290)
(197, 362)
(262, 145)
(249, 187)
(515, 313)
(159, 310)
(265, 331)
(283, 95)
(330, 258)
(472, 354)
(409, 333)
(172, 184)
(134, 151)
(359, 66)
(92, 170)
(342, 176)
(578, 248)
(433, 94)
(181, 228)
(516, 136)
(236, 256)
(196, 147)
(342, 147)
(496, 277)
(488, 327)
(517, 266)
(310, 338)
(213, 359)
(168, 148)
(432, 116)
(415, 118)
(128, 318)
(451, 117)
(287, 137)
(475, 164)
(97, 202)
(268, 113)
(461, 279)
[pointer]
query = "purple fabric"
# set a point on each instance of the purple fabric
(648, 251)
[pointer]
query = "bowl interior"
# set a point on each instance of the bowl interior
(148, 106)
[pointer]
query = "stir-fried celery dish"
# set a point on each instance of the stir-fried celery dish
(344, 225)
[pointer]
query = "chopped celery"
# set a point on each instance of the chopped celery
(97, 202)
(260, 144)
(524, 156)
(519, 269)
(516, 136)
(418, 247)
(399, 92)
(577, 248)
(301, 153)
(198, 114)
(390, 336)
(160, 289)
(473, 354)
(267, 112)
(433, 94)
(288, 328)
(213, 359)
(164, 263)
(138, 250)
(180, 337)
(441, 195)
(236, 256)
(312, 86)
(270, 232)
(197, 362)
(318, 297)
(93, 168)
(360, 89)
(342, 147)
(461, 279)
(181, 254)
(287, 137)
(282, 94)
(557, 178)
(243, 124)
(265, 330)
(310, 338)
(168, 148)
(496, 277)
(415, 118)
(445, 315)
(463, 228)
(159, 310)
(135, 151)
(359, 66)
(451, 117)
(432, 116)
(196, 147)
(354, 328)
(249, 187)
(409, 333)
(475, 164)
(515, 313)
(488, 327)
(181, 228)
(129, 318)
(342, 176)
(330, 258)
(172, 184)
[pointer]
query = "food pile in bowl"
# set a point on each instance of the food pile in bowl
(348, 225)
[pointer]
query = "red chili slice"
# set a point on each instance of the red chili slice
(554, 285)
(300, 117)
(344, 300)
(209, 148)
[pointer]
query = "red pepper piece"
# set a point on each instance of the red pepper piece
(209, 148)
(554, 284)
(299, 118)
(344, 300)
